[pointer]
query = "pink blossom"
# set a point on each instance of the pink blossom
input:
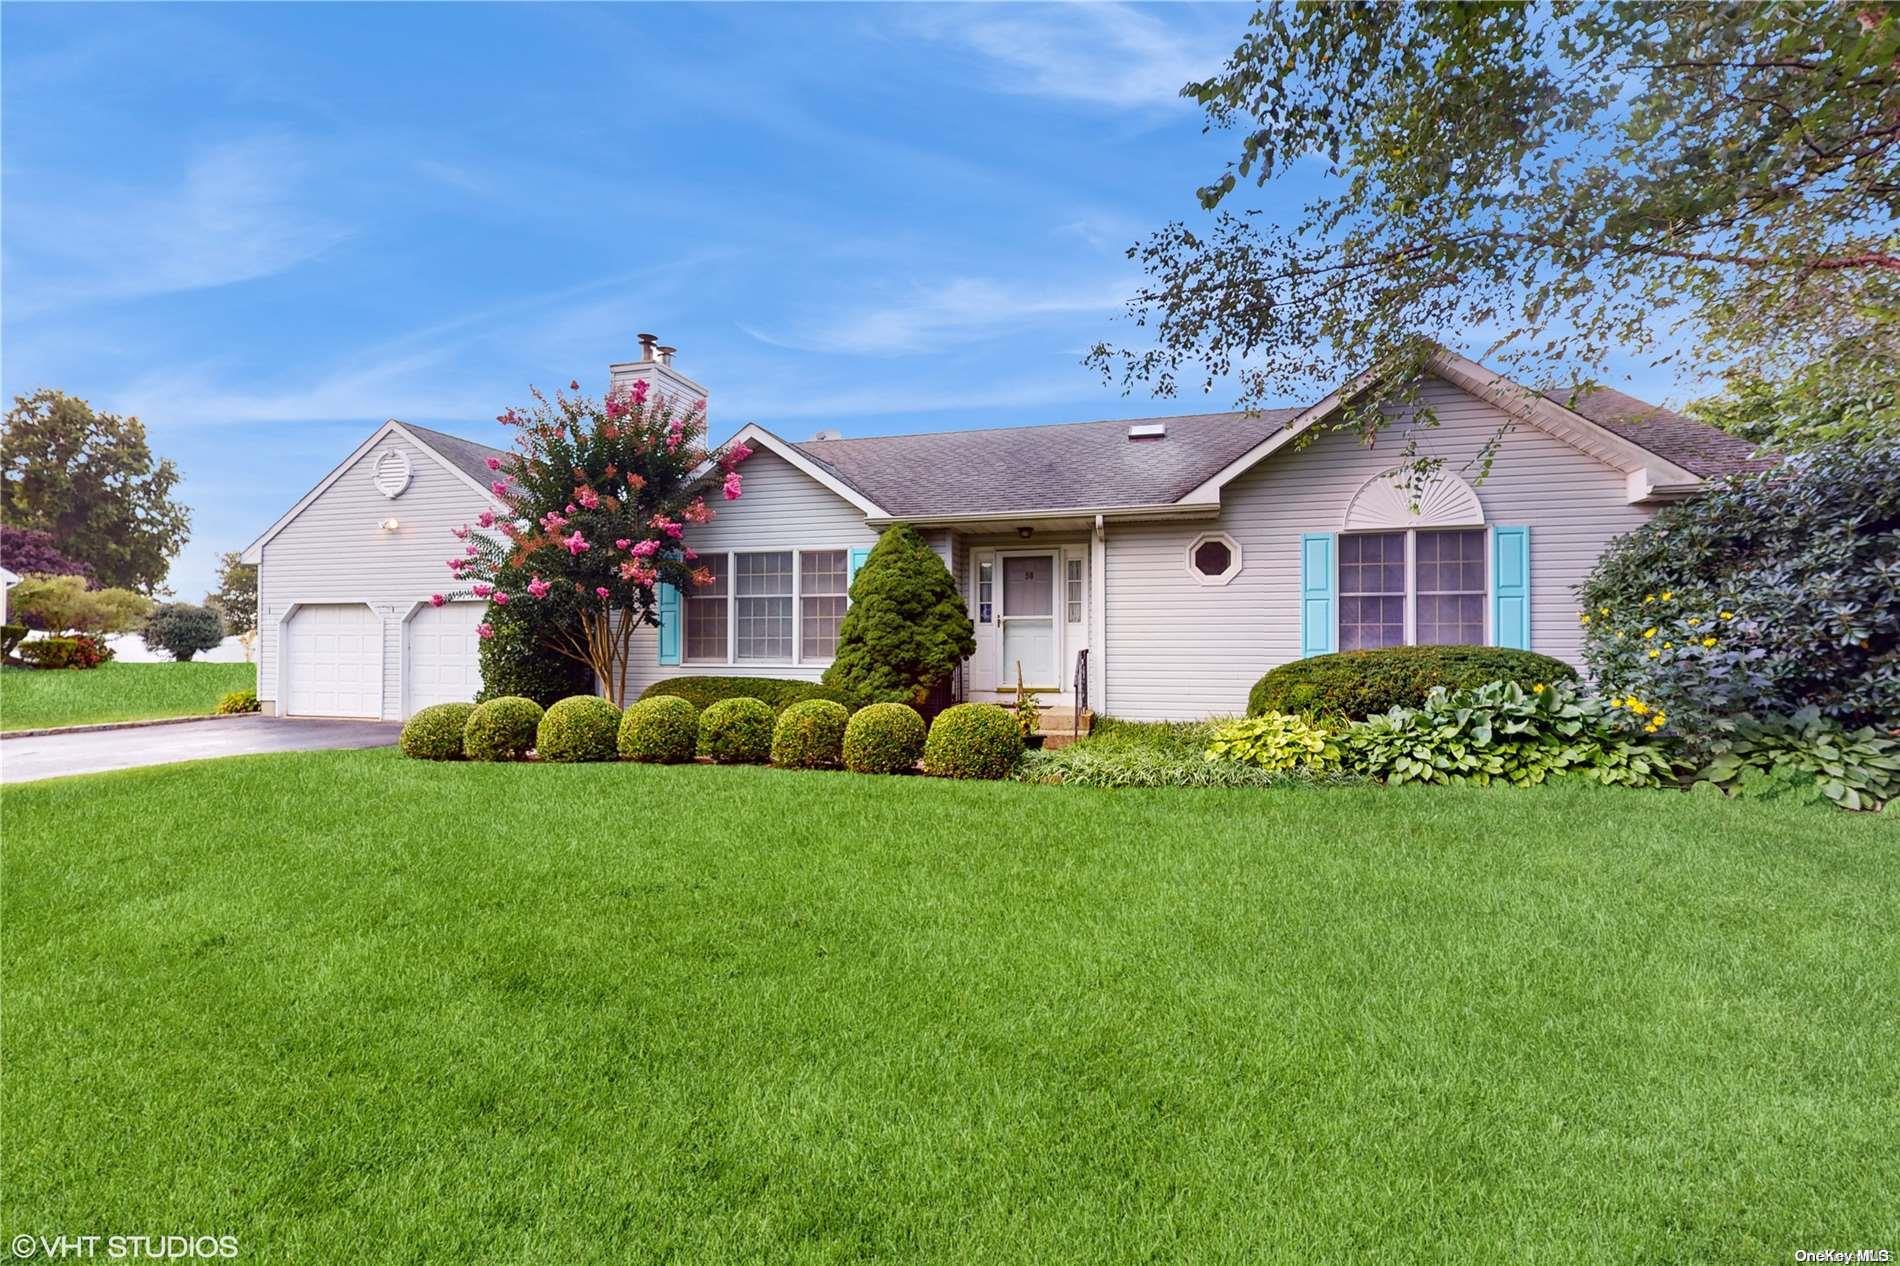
(499, 487)
(553, 521)
(615, 406)
(731, 488)
(689, 555)
(501, 599)
(638, 573)
(485, 630)
(647, 548)
(469, 549)
(436, 600)
(639, 392)
(600, 591)
(622, 542)
(734, 455)
(481, 591)
(576, 543)
(588, 498)
(675, 435)
(494, 463)
(538, 587)
(457, 564)
(459, 533)
(570, 507)
(660, 523)
(696, 512)
(486, 518)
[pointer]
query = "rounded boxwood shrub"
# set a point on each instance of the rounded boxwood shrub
(810, 735)
(1366, 683)
(885, 738)
(501, 729)
(579, 728)
(435, 733)
(973, 740)
(663, 730)
(736, 732)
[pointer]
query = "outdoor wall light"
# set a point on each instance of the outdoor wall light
(390, 525)
(1025, 532)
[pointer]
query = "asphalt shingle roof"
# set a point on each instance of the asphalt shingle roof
(465, 455)
(1692, 445)
(1066, 466)
(1078, 465)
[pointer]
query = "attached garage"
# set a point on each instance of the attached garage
(333, 660)
(440, 655)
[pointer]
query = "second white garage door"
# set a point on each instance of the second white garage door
(441, 664)
(334, 656)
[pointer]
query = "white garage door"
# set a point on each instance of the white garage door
(442, 666)
(334, 655)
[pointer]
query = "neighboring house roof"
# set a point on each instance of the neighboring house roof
(1693, 445)
(465, 455)
(1074, 465)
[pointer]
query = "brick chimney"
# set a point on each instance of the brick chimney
(655, 368)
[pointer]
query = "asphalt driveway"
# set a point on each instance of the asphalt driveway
(96, 751)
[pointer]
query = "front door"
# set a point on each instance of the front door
(1028, 618)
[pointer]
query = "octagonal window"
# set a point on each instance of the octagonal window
(1214, 559)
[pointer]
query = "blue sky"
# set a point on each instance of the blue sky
(264, 229)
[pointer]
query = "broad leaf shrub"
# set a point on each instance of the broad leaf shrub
(885, 738)
(810, 735)
(906, 629)
(736, 732)
(435, 733)
(581, 728)
(501, 729)
(237, 702)
(973, 740)
(81, 650)
(1805, 755)
(1769, 594)
(1277, 742)
(777, 693)
(182, 629)
(663, 730)
(1358, 684)
(517, 661)
(1503, 733)
(11, 635)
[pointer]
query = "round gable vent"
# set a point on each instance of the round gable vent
(392, 473)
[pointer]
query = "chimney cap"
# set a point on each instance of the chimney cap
(647, 342)
(666, 353)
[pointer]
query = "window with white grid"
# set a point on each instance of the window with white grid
(1450, 587)
(762, 605)
(821, 602)
(706, 612)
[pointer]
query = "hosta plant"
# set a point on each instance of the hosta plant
(1805, 752)
(1276, 741)
(1504, 733)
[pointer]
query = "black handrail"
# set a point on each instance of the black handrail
(1081, 684)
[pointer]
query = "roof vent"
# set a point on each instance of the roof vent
(829, 433)
(1148, 431)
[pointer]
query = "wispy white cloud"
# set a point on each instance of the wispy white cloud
(1102, 54)
(236, 213)
(962, 310)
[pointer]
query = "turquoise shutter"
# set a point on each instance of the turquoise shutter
(857, 560)
(669, 608)
(1316, 593)
(1511, 587)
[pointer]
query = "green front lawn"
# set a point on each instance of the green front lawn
(33, 699)
(350, 1007)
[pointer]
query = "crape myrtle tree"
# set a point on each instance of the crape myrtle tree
(598, 495)
(1552, 186)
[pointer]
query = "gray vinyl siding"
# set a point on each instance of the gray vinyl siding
(781, 508)
(1177, 649)
(335, 550)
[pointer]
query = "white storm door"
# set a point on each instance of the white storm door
(443, 662)
(1027, 615)
(334, 655)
